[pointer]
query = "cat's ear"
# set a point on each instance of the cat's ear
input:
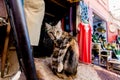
(59, 24)
(48, 26)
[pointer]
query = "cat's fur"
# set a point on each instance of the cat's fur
(65, 54)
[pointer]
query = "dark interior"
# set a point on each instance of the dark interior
(55, 10)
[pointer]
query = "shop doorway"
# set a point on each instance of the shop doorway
(99, 37)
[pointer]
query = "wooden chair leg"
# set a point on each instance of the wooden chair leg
(4, 53)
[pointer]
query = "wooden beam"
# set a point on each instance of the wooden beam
(58, 3)
(73, 1)
(49, 14)
(5, 49)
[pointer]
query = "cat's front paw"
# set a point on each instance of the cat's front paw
(60, 67)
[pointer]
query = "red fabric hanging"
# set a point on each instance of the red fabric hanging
(84, 42)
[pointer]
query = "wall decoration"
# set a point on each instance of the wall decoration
(112, 28)
(99, 30)
(84, 11)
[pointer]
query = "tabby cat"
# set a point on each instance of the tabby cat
(65, 54)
